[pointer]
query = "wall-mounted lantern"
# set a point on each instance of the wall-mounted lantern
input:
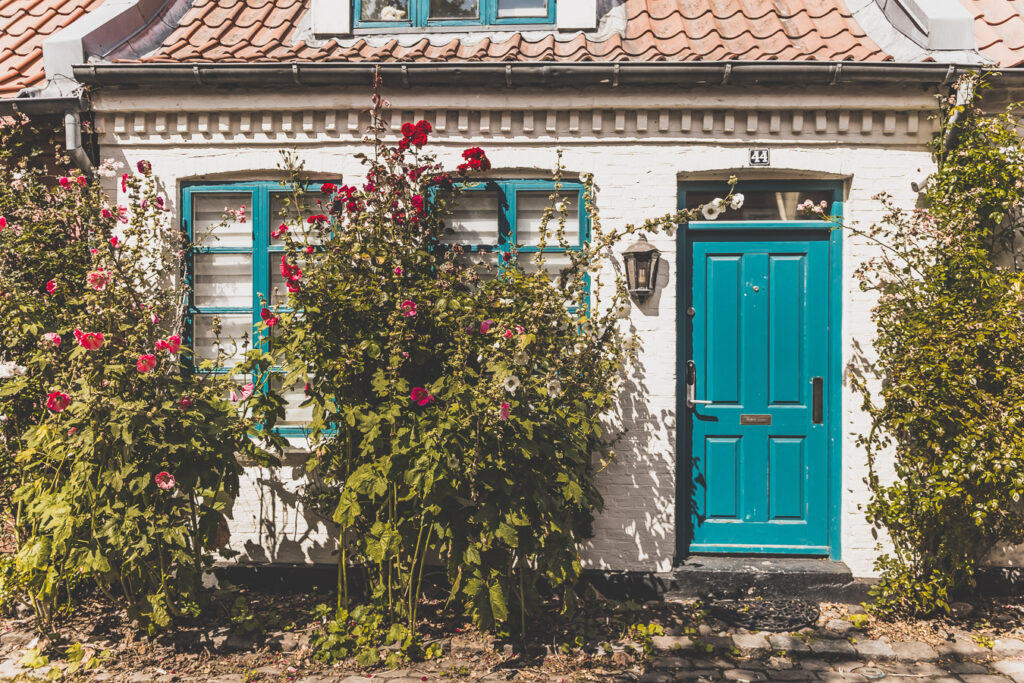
(641, 260)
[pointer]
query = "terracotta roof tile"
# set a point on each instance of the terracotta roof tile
(24, 24)
(656, 30)
(999, 27)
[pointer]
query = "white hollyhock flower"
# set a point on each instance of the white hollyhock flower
(711, 210)
(622, 310)
(11, 369)
(520, 358)
(554, 388)
(737, 201)
(511, 384)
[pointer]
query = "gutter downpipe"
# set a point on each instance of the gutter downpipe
(73, 141)
(71, 107)
(964, 96)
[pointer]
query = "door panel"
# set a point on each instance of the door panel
(759, 336)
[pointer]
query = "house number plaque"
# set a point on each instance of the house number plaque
(760, 157)
(755, 419)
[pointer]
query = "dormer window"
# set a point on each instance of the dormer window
(423, 13)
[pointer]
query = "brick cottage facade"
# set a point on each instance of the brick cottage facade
(662, 100)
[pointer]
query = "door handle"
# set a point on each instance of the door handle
(691, 386)
(817, 406)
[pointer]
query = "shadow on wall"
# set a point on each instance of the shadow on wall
(636, 530)
(270, 525)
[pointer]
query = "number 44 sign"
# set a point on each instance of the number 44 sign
(760, 157)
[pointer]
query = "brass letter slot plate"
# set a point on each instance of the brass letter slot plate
(755, 419)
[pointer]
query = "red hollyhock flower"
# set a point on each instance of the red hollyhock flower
(144, 167)
(146, 363)
(64, 182)
(89, 340)
(164, 480)
(421, 396)
(58, 401)
(476, 160)
(184, 403)
(51, 287)
(328, 188)
(81, 180)
(280, 230)
(124, 182)
(269, 318)
(408, 308)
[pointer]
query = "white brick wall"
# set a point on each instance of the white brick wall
(637, 176)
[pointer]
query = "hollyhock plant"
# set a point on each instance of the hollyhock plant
(411, 427)
(109, 412)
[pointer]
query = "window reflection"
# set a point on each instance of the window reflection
(454, 9)
(768, 205)
(385, 10)
(522, 8)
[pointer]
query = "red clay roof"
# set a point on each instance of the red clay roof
(656, 30)
(999, 27)
(24, 24)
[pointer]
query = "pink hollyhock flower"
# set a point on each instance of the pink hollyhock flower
(107, 213)
(184, 403)
(421, 396)
(398, 270)
(81, 180)
(520, 329)
(164, 480)
(122, 213)
(280, 230)
(174, 343)
(269, 319)
(124, 182)
(58, 401)
(146, 363)
(504, 410)
(65, 182)
(114, 242)
(3, 222)
(51, 287)
(246, 393)
(94, 251)
(53, 338)
(408, 308)
(507, 334)
(98, 279)
(309, 249)
(72, 430)
(89, 340)
(485, 326)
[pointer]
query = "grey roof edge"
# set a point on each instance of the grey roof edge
(521, 74)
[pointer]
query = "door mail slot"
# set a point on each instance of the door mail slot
(755, 419)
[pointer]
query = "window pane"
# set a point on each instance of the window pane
(235, 337)
(454, 9)
(522, 8)
(484, 264)
(554, 264)
(766, 205)
(385, 10)
(530, 207)
(475, 219)
(283, 209)
(223, 280)
(213, 226)
(295, 415)
(278, 285)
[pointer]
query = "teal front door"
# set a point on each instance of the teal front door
(756, 384)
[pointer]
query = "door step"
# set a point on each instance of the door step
(739, 577)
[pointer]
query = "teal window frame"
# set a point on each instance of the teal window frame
(261, 250)
(419, 16)
(507, 237)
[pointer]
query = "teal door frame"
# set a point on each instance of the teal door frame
(764, 230)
